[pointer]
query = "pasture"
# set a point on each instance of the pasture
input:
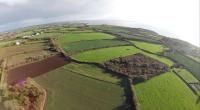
(91, 44)
(189, 79)
(194, 58)
(189, 63)
(48, 35)
(80, 92)
(166, 92)
(186, 75)
(93, 72)
(101, 55)
(74, 37)
(154, 48)
(25, 33)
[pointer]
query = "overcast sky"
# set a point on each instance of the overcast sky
(174, 18)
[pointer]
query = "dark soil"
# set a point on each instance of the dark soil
(136, 66)
(35, 69)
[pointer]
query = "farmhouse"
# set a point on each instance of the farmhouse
(17, 43)
(26, 37)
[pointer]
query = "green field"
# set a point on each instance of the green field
(48, 35)
(154, 48)
(190, 64)
(161, 59)
(92, 71)
(131, 33)
(69, 30)
(68, 90)
(186, 75)
(194, 58)
(92, 44)
(25, 33)
(166, 92)
(7, 42)
(101, 55)
(74, 37)
(189, 78)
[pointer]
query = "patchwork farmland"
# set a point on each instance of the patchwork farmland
(166, 89)
(154, 48)
(82, 90)
(75, 37)
(79, 67)
(101, 55)
(76, 47)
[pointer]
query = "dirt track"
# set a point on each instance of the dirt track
(35, 69)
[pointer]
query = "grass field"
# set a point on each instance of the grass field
(74, 37)
(195, 58)
(48, 35)
(190, 64)
(7, 42)
(189, 78)
(92, 44)
(154, 48)
(25, 33)
(166, 92)
(161, 59)
(93, 72)
(101, 55)
(80, 92)
(186, 75)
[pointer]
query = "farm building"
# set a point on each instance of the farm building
(17, 43)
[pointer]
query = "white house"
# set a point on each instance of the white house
(37, 34)
(17, 43)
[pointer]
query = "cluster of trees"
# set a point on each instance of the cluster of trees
(137, 65)
(24, 96)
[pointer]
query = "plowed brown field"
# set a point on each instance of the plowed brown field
(35, 69)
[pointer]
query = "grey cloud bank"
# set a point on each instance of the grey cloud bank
(19, 11)
(180, 17)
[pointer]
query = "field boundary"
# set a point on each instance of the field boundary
(135, 99)
(89, 76)
(3, 83)
(39, 87)
(26, 63)
(129, 96)
(185, 66)
(89, 40)
(85, 50)
(122, 37)
(154, 53)
(186, 83)
(96, 48)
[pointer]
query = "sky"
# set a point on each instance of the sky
(173, 18)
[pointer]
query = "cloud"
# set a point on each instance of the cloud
(175, 16)
(13, 2)
(37, 9)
